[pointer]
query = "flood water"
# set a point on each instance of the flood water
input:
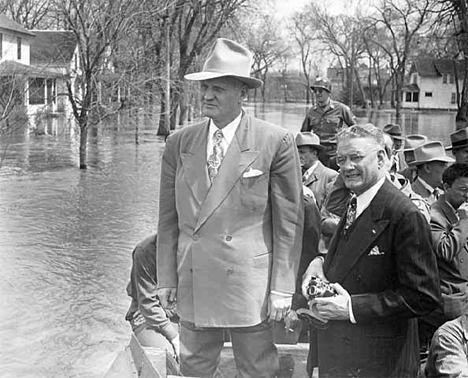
(66, 236)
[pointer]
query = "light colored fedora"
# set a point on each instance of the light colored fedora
(411, 142)
(459, 139)
(393, 130)
(430, 151)
(308, 138)
(227, 58)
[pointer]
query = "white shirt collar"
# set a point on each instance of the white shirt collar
(364, 199)
(228, 132)
(309, 171)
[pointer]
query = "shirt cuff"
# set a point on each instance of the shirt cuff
(281, 293)
(351, 314)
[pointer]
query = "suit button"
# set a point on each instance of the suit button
(229, 271)
(191, 270)
(347, 340)
(228, 238)
(196, 237)
(461, 260)
(358, 278)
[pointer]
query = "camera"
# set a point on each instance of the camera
(319, 289)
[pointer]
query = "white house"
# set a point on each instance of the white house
(433, 84)
(41, 61)
(56, 52)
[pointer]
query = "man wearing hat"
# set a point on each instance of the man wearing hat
(315, 175)
(459, 145)
(411, 142)
(230, 223)
(430, 162)
(326, 118)
(394, 131)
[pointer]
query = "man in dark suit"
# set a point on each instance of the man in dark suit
(382, 266)
(230, 223)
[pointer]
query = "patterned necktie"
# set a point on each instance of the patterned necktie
(216, 157)
(351, 212)
(436, 193)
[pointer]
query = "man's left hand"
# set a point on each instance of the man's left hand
(336, 307)
(278, 306)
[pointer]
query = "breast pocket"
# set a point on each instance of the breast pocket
(254, 191)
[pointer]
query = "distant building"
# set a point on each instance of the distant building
(433, 84)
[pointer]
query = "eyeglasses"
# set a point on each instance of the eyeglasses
(353, 158)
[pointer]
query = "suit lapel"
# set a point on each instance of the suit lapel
(363, 233)
(239, 157)
(448, 211)
(194, 163)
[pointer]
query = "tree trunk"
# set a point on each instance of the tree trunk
(83, 145)
(163, 129)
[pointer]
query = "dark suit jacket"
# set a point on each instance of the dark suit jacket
(387, 265)
(225, 246)
(449, 237)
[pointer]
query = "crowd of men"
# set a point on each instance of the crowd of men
(250, 215)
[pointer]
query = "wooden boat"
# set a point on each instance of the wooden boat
(136, 361)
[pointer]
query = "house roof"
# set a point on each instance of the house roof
(437, 67)
(53, 47)
(8, 24)
(10, 67)
(411, 88)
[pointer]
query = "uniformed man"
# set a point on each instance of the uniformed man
(326, 118)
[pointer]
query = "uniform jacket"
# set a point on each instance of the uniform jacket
(225, 246)
(328, 121)
(318, 182)
(387, 265)
(449, 238)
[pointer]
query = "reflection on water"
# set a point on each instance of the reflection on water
(66, 237)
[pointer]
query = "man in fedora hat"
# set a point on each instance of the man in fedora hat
(315, 175)
(459, 145)
(326, 118)
(394, 131)
(411, 142)
(230, 223)
(430, 161)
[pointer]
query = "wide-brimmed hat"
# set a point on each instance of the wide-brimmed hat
(393, 130)
(322, 82)
(411, 142)
(227, 58)
(430, 151)
(459, 139)
(308, 138)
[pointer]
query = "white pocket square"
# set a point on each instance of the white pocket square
(376, 252)
(252, 172)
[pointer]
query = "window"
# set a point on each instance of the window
(412, 97)
(454, 98)
(444, 78)
(452, 79)
(1, 45)
(37, 91)
(18, 41)
(428, 94)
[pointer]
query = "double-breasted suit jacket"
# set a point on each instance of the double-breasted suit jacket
(225, 246)
(319, 180)
(449, 236)
(386, 263)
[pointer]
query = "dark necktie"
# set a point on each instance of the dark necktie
(351, 212)
(217, 154)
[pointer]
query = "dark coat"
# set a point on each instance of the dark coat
(388, 266)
